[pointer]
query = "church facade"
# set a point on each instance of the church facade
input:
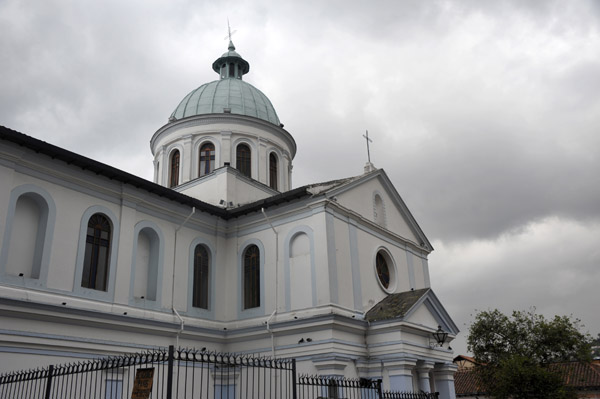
(219, 252)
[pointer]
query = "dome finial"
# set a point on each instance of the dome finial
(231, 64)
(229, 34)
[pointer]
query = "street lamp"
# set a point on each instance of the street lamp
(439, 336)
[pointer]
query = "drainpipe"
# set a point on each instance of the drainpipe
(173, 286)
(276, 281)
(271, 332)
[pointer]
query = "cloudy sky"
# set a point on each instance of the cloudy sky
(485, 115)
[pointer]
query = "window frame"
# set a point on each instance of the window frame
(191, 310)
(243, 312)
(108, 295)
(273, 171)
(211, 161)
(392, 269)
(243, 163)
(205, 281)
(174, 177)
(96, 242)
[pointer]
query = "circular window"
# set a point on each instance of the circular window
(386, 272)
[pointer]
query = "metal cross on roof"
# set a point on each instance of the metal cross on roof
(229, 32)
(368, 140)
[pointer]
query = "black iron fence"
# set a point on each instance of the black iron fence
(187, 373)
(182, 374)
(410, 395)
(317, 387)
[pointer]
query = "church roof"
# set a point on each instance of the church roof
(320, 188)
(115, 174)
(229, 94)
(400, 306)
(395, 306)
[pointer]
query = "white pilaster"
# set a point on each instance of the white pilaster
(423, 369)
(400, 375)
(443, 375)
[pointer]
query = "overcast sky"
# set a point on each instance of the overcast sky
(485, 115)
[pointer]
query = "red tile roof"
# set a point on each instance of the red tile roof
(579, 375)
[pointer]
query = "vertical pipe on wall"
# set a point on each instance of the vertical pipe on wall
(173, 282)
(276, 281)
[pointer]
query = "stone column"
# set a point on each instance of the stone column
(423, 369)
(443, 374)
(400, 375)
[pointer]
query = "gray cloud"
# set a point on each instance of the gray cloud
(484, 114)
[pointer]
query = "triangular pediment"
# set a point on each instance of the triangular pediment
(416, 306)
(358, 194)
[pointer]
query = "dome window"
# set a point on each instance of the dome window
(273, 171)
(243, 160)
(207, 159)
(174, 172)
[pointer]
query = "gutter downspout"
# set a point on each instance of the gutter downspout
(276, 282)
(173, 285)
(271, 332)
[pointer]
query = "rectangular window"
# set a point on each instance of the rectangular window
(113, 389)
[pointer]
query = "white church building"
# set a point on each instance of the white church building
(218, 252)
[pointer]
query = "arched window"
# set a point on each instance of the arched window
(273, 171)
(174, 170)
(378, 210)
(201, 278)
(97, 250)
(243, 159)
(207, 159)
(251, 277)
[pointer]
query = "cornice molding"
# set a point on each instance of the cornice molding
(217, 119)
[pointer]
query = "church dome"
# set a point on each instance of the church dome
(229, 94)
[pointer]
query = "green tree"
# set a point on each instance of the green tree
(514, 353)
(596, 347)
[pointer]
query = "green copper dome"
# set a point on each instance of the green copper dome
(228, 94)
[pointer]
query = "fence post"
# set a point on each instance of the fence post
(294, 382)
(170, 372)
(49, 381)
(379, 393)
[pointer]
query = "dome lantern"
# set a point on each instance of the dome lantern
(231, 64)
